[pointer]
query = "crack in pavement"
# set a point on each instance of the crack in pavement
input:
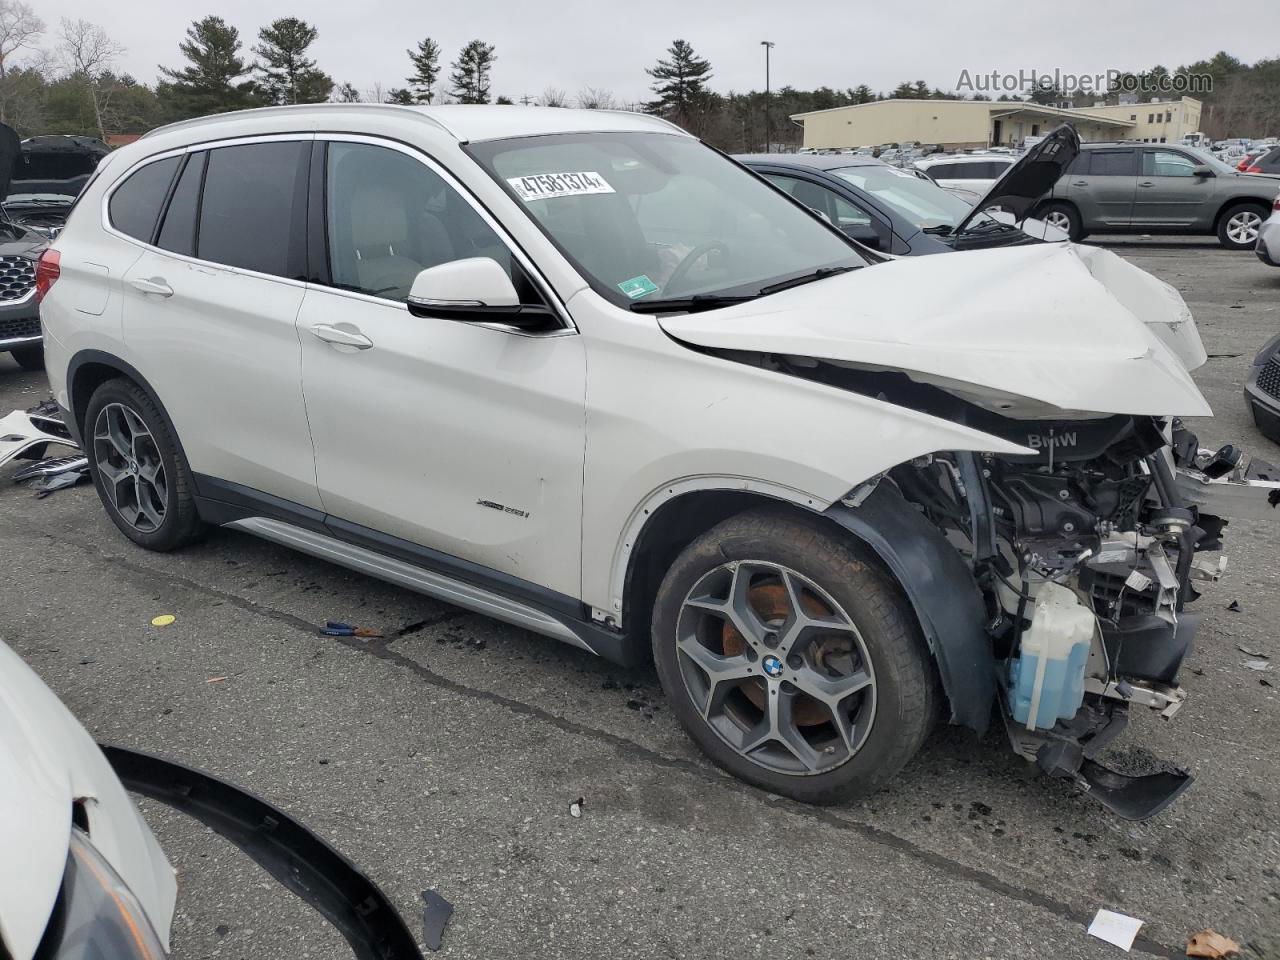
(381, 650)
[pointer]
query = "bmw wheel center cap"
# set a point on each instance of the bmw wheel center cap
(772, 666)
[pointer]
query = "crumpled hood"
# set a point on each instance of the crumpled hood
(47, 761)
(1053, 323)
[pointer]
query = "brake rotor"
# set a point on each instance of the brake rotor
(770, 602)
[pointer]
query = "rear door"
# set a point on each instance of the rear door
(1103, 189)
(1169, 194)
(209, 314)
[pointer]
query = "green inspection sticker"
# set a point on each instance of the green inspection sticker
(638, 287)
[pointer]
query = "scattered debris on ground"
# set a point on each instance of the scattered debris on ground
(1209, 943)
(1252, 653)
(333, 628)
(435, 915)
(575, 808)
(215, 679)
(1235, 607)
(1258, 664)
(1115, 928)
(163, 620)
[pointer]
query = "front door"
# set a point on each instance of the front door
(464, 438)
(1169, 194)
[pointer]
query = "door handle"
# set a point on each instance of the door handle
(343, 338)
(155, 286)
(1146, 183)
(1079, 183)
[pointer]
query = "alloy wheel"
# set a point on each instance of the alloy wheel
(132, 470)
(1243, 227)
(1059, 220)
(775, 667)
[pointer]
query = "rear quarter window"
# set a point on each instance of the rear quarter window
(135, 204)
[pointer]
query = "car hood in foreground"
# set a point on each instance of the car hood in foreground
(48, 762)
(1070, 327)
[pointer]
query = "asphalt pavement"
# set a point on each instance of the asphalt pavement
(446, 756)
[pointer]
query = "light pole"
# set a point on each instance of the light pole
(768, 128)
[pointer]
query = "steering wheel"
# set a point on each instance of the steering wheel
(686, 263)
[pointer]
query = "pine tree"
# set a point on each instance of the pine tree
(470, 76)
(426, 70)
(680, 83)
(401, 95)
(346, 93)
(862, 94)
(288, 76)
(209, 84)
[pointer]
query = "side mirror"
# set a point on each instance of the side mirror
(475, 290)
(1203, 170)
(864, 233)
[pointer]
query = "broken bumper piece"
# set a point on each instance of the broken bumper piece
(296, 857)
(28, 434)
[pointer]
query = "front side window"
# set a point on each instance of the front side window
(661, 216)
(922, 202)
(135, 204)
(1166, 163)
(389, 216)
(252, 213)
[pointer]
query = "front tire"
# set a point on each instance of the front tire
(792, 662)
(1239, 225)
(29, 358)
(138, 468)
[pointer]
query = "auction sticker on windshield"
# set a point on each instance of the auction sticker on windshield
(637, 287)
(547, 186)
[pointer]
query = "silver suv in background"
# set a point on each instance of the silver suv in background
(1269, 237)
(1130, 187)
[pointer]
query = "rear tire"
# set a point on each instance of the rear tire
(138, 468)
(29, 358)
(1239, 225)
(857, 645)
(1066, 218)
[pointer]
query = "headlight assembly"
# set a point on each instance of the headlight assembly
(97, 917)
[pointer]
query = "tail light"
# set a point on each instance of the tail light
(1254, 169)
(48, 269)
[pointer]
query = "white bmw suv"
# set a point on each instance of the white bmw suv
(582, 373)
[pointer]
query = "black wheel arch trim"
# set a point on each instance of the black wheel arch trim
(295, 856)
(942, 591)
(83, 358)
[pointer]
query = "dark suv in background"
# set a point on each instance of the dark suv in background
(1131, 187)
(40, 180)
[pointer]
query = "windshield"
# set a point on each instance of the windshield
(922, 202)
(655, 216)
(1204, 156)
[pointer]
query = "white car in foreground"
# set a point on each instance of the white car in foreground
(84, 879)
(577, 371)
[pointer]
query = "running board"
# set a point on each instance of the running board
(418, 579)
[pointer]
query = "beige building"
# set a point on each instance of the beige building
(957, 124)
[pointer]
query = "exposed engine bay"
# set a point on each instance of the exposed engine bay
(1086, 553)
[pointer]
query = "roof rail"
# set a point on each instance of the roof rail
(301, 108)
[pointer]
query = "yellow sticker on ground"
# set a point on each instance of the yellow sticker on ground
(163, 620)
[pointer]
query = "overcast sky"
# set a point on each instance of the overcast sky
(569, 44)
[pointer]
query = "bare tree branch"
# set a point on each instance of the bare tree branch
(19, 28)
(90, 54)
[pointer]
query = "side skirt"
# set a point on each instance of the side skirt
(450, 579)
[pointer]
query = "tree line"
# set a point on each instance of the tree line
(65, 79)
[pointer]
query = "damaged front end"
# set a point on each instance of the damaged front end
(1086, 557)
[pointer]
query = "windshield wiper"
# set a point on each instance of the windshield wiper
(941, 230)
(820, 274)
(699, 301)
(39, 202)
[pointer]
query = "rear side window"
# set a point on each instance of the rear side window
(135, 204)
(1113, 163)
(178, 232)
(252, 213)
